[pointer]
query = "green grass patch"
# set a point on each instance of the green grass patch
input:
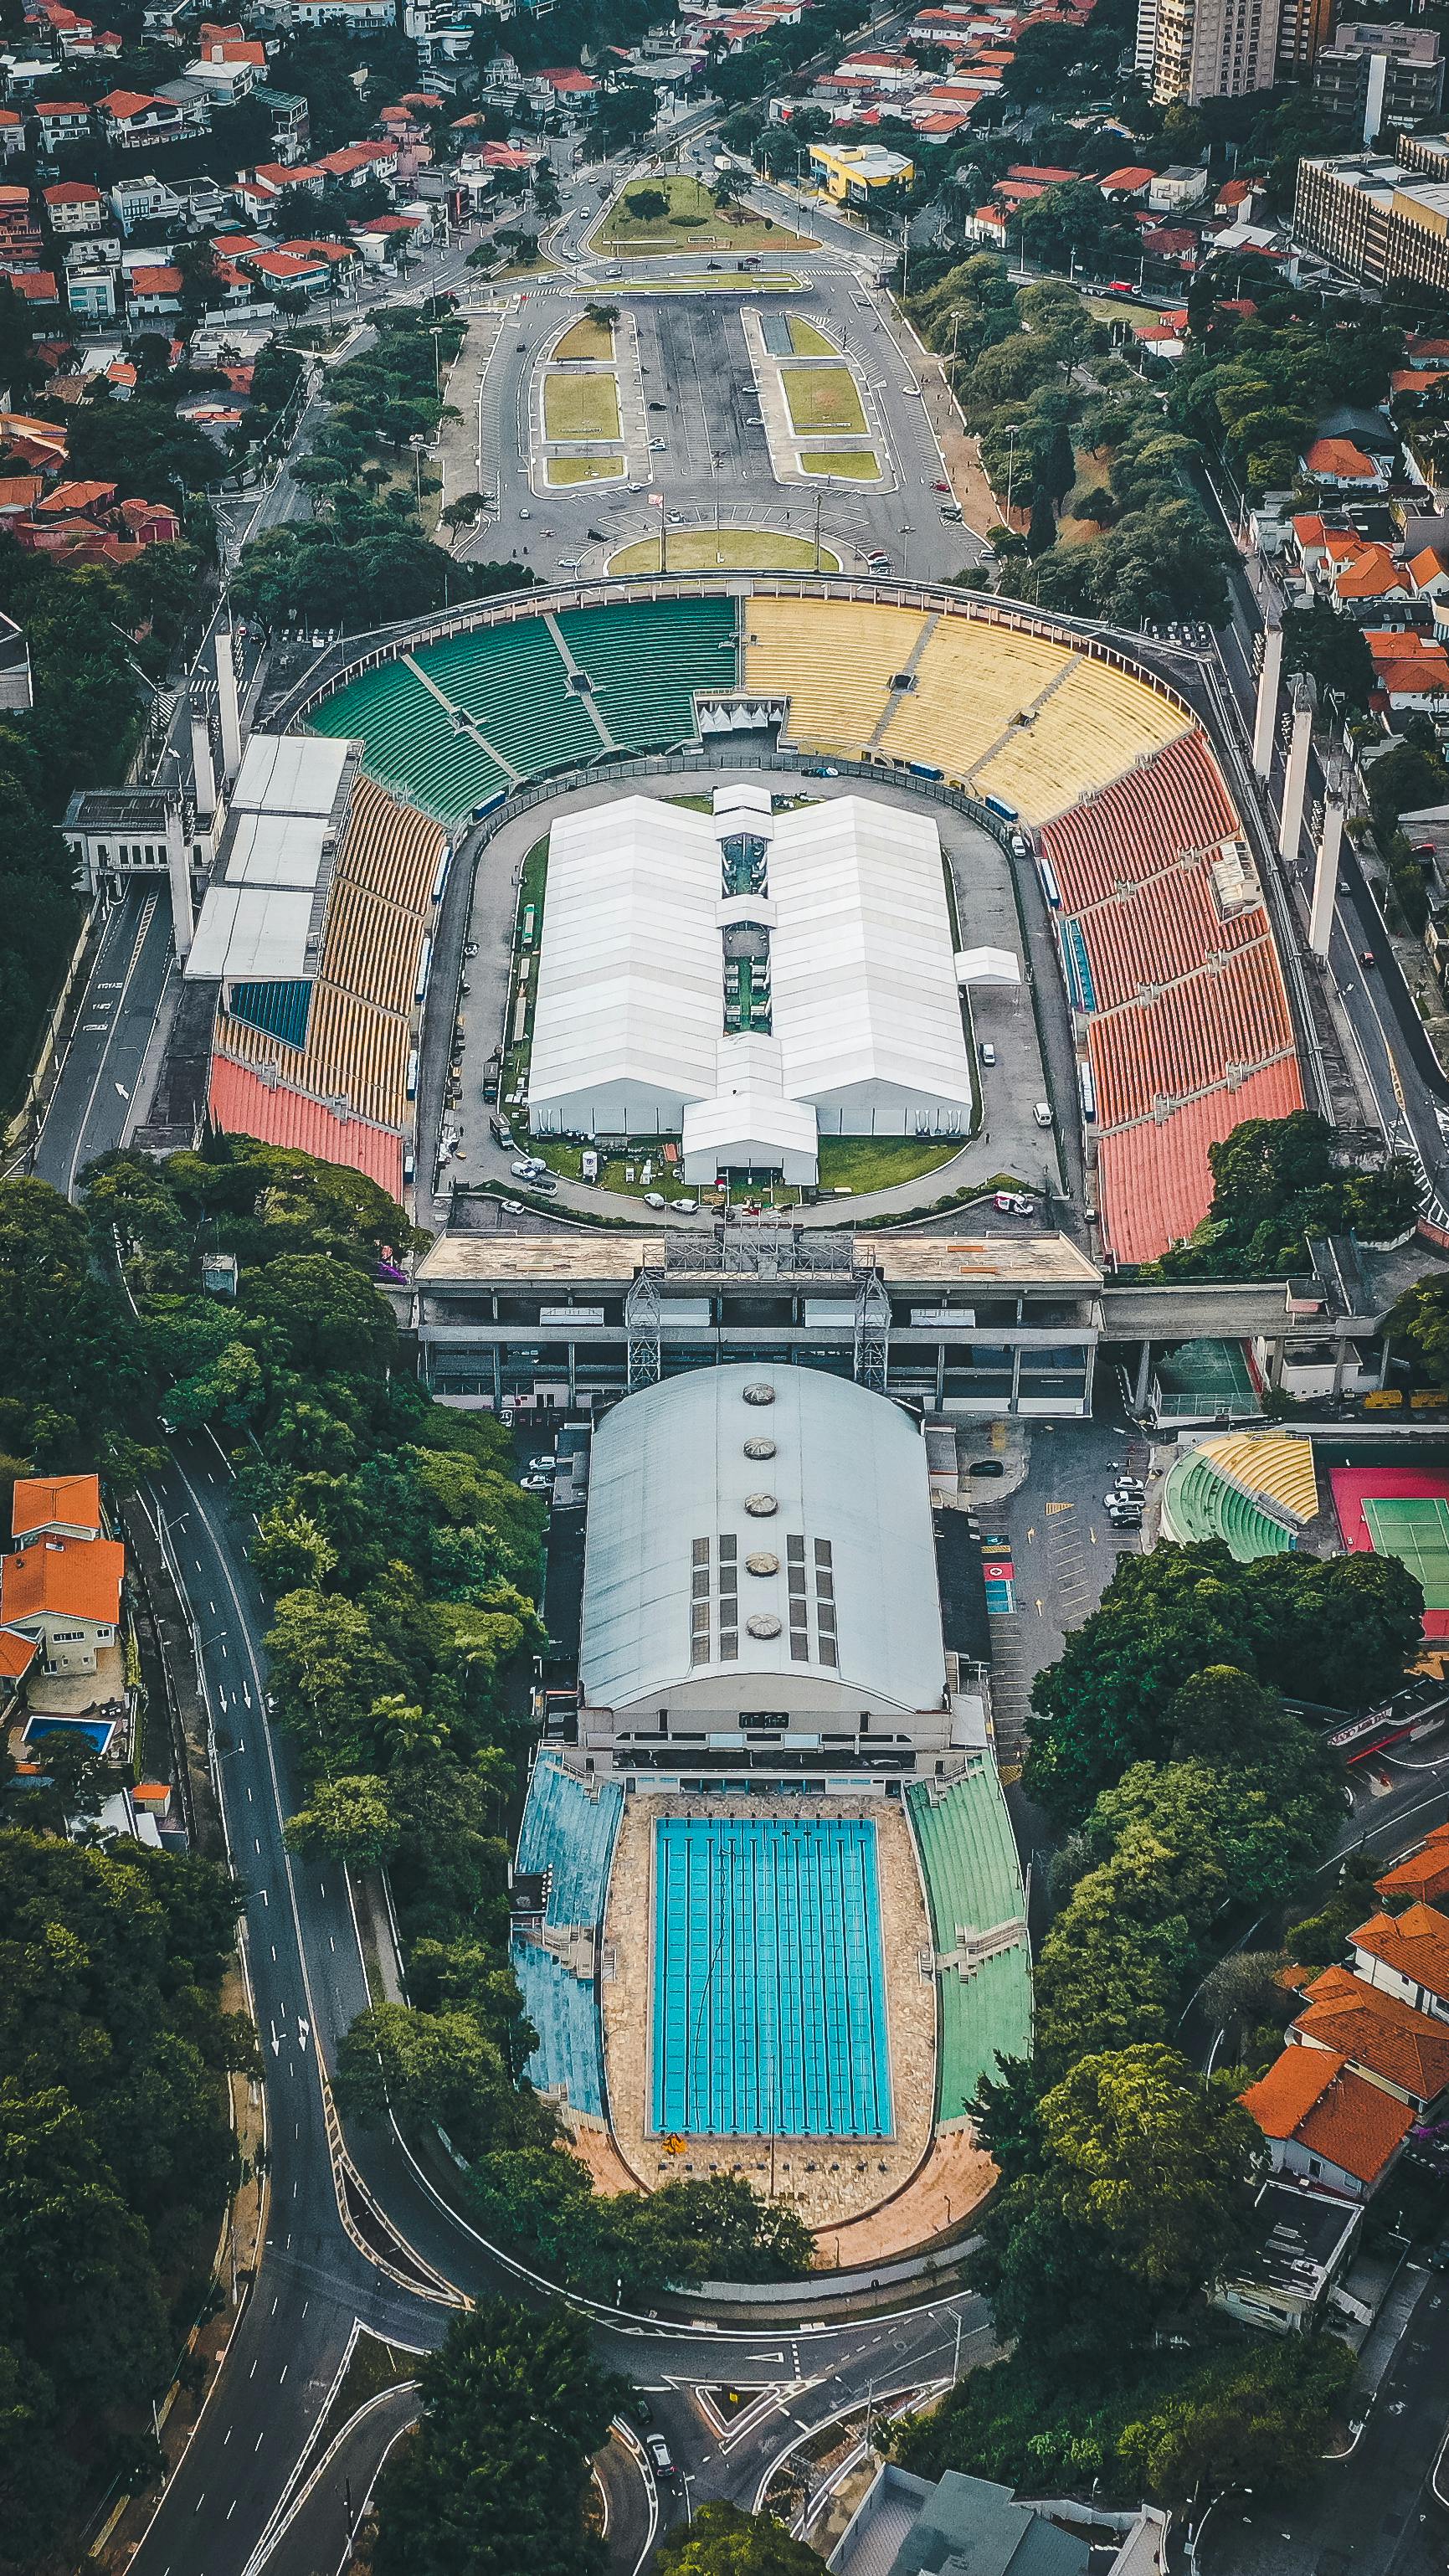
(373, 2367)
(587, 339)
(580, 406)
(822, 398)
(691, 221)
(725, 550)
(865, 1163)
(732, 281)
(585, 469)
(567, 1161)
(808, 341)
(858, 464)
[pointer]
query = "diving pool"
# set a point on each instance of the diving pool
(769, 2010)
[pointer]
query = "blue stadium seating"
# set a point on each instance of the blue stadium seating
(565, 2013)
(569, 1831)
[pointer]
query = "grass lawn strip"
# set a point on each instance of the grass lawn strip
(692, 221)
(861, 464)
(580, 406)
(822, 398)
(808, 341)
(584, 469)
(731, 281)
(587, 339)
(731, 550)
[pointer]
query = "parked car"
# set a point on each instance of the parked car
(1015, 1203)
(526, 1167)
(544, 1465)
(655, 1199)
(686, 1207)
(536, 1484)
(1041, 1112)
(515, 1207)
(987, 1053)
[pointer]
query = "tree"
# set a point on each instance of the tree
(493, 2479)
(723, 2540)
(328, 1319)
(1259, 2421)
(1333, 649)
(348, 1819)
(1421, 1320)
(438, 2069)
(1141, 2195)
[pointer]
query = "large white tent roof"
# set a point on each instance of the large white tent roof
(862, 959)
(669, 1471)
(629, 979)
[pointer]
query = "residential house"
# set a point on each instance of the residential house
(1411, 669)
(75, 206)
(90, 293)
(130, 120)
(1383, 2038)
(1173, 190)
(62, 121)
(144, 201)
(1428, 570)
(1407, 1955)
(62, 1587)
(37, 290)
(1301, 2245)
(291, 120)
(1340, 462)
(228, 70)
(12, 133)
(1126, 183)
(1323, 2121)
(153, 291)
(1424, 1876)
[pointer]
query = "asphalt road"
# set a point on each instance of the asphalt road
(96, 1079)
(308, 1981)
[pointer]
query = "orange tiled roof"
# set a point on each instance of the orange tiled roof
(17, 1654)
(1415, 1944)
(1312, 2096)
(1424, 1875)
(1370, 574)
(1381, 2034)
(1428, 565)
(1339, 458)
(67, 1578)
(40, 1501)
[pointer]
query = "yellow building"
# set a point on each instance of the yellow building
(853, 172)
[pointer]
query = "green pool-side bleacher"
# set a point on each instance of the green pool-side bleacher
(973, 1884)
(645, 659)
(1200, 1502)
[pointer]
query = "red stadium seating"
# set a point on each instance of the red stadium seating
(1153, 1181)
(1142, 823)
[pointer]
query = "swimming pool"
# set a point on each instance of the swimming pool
(769, 1983)
(94, 1731)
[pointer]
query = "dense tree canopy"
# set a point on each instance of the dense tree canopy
(493, 2479)
(721, 2540)
(1275, 1183)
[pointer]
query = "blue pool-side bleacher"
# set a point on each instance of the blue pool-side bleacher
(567, 1834)
(1077, 966)
(568, 1829)
(565, 2013)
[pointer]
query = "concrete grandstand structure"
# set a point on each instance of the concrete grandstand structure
(1057, 738)
(316, 935)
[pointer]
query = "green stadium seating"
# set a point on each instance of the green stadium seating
(973, 1880)
(1199, 1502)
(645, 661)
(410, 744)
(512, 681)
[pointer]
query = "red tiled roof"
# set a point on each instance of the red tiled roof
(1414, 1944)
(73, 192)
(40, 1502)
(1311, 2095)
(1381, 2035)
(67, 1578)
(1338, 460)
(1424, 1875)
(17, 1654)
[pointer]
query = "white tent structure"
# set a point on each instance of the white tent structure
(852, 1025)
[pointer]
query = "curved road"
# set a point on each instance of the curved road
(314, 2277)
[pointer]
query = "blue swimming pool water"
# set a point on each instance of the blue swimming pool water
(97, 1731)
(769, 1985)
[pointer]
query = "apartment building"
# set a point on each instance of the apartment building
(1213, 48)
(1372, 76)
(1378, 217)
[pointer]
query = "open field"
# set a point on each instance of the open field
(587, 339)
(585, 469)
(581, 406)
(862, 1163)
(726, 550)
(822, 398)
(859, 464)
(692, 221)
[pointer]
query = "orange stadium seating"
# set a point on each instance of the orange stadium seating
(1174, 803)
(1153, 1181)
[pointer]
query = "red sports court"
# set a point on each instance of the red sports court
(1403, 1512)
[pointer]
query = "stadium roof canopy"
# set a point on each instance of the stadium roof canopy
(677, 1505)
(291, 773)
(253, 934)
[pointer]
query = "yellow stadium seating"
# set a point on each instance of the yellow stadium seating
(834, 662)
(1091, 729)
(971, 681)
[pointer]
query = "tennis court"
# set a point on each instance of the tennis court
(769, 2013)
(1402, 1512)
(1415, 1528)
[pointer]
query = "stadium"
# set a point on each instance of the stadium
(768, 1913)
(1097, 776)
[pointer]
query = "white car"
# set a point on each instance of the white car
(1015, 1203)
(515, 1207)
(527, 1168)
(686, 1207)
(654, 1199)
(536, 1484)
